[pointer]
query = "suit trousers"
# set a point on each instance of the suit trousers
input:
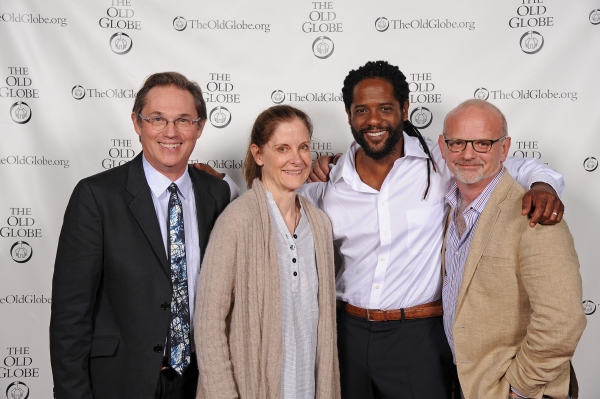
(171, 385)
(408, 359)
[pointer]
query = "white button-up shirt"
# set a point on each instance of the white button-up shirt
(390, 240)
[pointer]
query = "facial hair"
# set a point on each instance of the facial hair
(393, 138)
(471, 177)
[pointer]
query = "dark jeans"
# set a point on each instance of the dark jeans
(171, 385)
(393, 359)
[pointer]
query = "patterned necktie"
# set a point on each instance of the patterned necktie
(179, 338)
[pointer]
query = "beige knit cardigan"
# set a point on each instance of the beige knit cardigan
(238, 305)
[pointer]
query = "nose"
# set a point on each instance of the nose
(374, 118)
(170, 130)
(469, 151)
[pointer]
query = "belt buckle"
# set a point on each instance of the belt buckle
(384, 315)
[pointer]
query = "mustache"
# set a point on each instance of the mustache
(464, 162)
(376, 129)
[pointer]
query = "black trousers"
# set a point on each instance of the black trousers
(394, 359)
(171, 385)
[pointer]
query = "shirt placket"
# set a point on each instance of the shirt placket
(294, 260)
(383, 258)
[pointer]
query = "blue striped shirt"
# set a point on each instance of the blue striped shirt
(457, 249)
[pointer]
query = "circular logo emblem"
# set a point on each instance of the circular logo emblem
(21, 252)
(17, 390)
(382, 24)
(531, 42)
(589, 307)
(78, 92)
(482, 93)
(120, 43)
(590, 164)
(277, 96)
(595, 17)
(20, 112)
(421, 117)
(179, 23)
(322, 47)
(220, 117)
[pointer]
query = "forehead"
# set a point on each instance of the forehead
(373, 90)
(290, 131)
(474, 123)
(170, 100)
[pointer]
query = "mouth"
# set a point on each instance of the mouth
(293, 172)
(170, 146)
(376, 134)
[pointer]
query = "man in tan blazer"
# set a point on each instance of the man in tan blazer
(511, 293)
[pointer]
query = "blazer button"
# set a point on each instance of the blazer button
(165, 305)
(158, 348)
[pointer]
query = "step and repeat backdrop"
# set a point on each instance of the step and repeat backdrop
(69, 73)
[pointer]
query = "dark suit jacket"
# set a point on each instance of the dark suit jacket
(112, 284)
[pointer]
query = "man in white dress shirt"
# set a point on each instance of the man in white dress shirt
(385, 199)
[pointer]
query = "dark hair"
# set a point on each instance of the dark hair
(391, 74)
(265, 125)
(170, 79)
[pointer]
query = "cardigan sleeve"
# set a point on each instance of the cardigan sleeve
(213, 305)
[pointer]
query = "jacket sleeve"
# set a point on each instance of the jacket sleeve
(77, 274)
(214, 300)
(552, 281)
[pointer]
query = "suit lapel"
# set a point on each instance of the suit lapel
(142, 208)
(205, 207)
(487, 221)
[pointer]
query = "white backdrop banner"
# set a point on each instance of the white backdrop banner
(70, 70)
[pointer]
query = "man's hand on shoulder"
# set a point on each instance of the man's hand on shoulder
(542, 205)
(320, 168)
(208, 169)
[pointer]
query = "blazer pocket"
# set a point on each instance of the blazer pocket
(104, 346)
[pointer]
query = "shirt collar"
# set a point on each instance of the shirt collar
(159, 183)
(478, 204)
(346, 166)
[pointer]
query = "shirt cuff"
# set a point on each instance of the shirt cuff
(233, 188)
(544, 178)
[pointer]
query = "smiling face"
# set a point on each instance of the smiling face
(168, 150)
(474, 123)
(285, 158)
(376, 118)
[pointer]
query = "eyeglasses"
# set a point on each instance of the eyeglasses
(459, 145)
(159, 123)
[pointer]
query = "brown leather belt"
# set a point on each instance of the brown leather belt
(431, 309)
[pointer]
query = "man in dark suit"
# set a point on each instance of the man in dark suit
(129, 255)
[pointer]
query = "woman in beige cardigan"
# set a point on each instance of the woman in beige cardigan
(265, 311)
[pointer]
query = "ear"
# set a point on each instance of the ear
(405, 110)
(201, 124)
(136, 124)
(349, 113)
(255, 150)
(442, 145)
(505, 148)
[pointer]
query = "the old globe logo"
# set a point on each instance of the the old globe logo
(421, 117)
(120, 43)
(322, 47)
(590, 164)
(531, 42)
(17, 390)
(78, 92)
(595, 17)
(220, 117)
(482, 93)
(589, 307)
(382, 24)
(20, 112)
(277, 96)
(21, 252)
(179, 23)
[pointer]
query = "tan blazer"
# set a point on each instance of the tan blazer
(519, 314)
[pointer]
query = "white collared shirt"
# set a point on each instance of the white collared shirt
(390, 240)
(160, 197)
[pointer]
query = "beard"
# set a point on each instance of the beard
(473, 177)
(389, 145)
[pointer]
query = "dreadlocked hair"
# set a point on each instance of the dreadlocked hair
(391, 74)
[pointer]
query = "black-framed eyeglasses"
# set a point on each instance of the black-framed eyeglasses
(159, 123)
(459, 145)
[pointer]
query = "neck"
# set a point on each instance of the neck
(373, 172)
(286, 202)
(469, 192)
(172, 173)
